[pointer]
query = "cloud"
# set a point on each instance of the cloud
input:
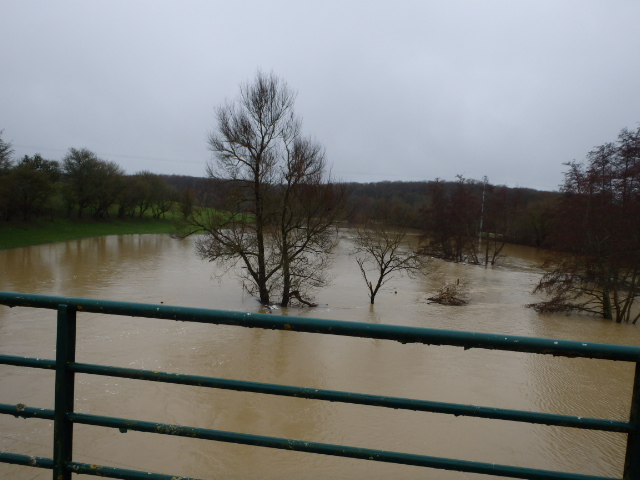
(402, 91)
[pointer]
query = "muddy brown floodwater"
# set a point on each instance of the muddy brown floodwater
(156, 268)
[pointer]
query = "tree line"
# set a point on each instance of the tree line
(80, 185)
(84, 185)
(455, 209)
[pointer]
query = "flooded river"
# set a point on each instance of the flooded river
(156, 268)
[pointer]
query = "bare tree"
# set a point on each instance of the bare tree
(309, 212)
(280, 209)
(382, 252)
(596, 264)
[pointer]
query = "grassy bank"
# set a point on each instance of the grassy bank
(60, 229)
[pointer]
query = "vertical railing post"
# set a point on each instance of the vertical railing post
(65, 382)
(632, 458)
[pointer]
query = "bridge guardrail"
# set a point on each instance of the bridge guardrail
(66, 367)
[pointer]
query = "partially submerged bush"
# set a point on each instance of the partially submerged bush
(450, 294)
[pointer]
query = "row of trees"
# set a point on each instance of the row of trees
(81, 183)
(411, 205)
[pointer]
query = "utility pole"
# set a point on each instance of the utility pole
(484, 185)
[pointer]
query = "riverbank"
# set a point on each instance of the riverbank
(14, 234)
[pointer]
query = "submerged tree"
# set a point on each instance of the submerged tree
(500, 209)
(450, 293)
(452, 221)
(469, 221)
(382, 252)
(596, 266)
(279, 210)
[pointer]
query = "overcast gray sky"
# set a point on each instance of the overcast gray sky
(402, 90)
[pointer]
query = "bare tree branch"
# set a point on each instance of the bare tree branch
(281, 210)
(382, 252)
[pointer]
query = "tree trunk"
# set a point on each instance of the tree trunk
(607, 311)
(262, 270)
(286, 284)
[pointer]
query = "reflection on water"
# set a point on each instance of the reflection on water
(155, 269)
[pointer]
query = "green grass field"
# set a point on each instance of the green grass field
(60, 229)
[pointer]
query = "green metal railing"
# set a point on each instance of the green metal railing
(66, 367)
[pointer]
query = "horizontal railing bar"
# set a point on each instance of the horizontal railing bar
(358, 398)
(22, 411)
(121, 473)
(30, 461)
(87, 468)
(28, 362)
(403, 334)
(328, 449)
(331, 395)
